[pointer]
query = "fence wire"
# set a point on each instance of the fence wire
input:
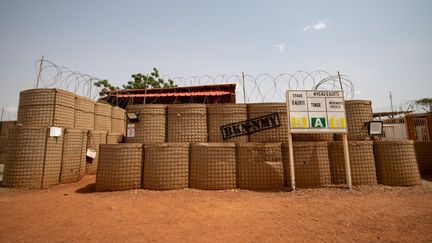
(263, 87)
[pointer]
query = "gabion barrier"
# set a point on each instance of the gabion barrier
(46, 107)
(223, 114)
(114, 137)
(73, 163)
(187, 123)
(213, 166)
(95, 138)
(84, 113)
(119, 167)
(423, 150)
(166, 166)
(259, 166)
(361, 154)
(396, 163)
(358, 113)
(33, 158)
(118, 120)
(151, 127)
(277, 134)
(103, 117)
(4, 134)
(311, 164)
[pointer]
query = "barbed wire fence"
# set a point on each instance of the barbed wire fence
(263, 87)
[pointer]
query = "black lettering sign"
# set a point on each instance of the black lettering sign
(250, 126)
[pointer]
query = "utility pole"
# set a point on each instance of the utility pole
(244, 88)
(391, 101)
(39, 72)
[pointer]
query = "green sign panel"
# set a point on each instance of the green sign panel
(318, 122)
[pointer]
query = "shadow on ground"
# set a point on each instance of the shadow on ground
(90, 188)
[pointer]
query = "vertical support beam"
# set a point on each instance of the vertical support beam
(291, 161)
(347, 160)
(409, 124)
(429, 125)
(39, 72)
(244, 89)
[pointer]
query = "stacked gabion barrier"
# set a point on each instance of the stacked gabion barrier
(33, 158)
(311, 164)
(94, 139)
(358, 113)
(223, 114)
(5, 126)
(187, 123)
(166, 166)
(118, 120)
(361, 154)
(396, 163)
(423, 150)
(103, 117)
(260, 166)
(46, 108)
(277, 134)
(73, 162)
(114, 137)
(213, 166)
(151, 127)
(119, 167)
(84, 113)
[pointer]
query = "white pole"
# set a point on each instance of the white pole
(291, 161)
(347, 160)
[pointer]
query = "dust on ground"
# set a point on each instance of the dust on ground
(73, 212)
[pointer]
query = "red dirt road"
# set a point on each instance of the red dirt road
(73, 213)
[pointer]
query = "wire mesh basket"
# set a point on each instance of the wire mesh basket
(102, 117)
(396, 163)
(151, 127)
(213, 166)
(166, 166)
(311, 164)
(361, 154)
(119, 167)
(46, 107)
(224, 114)
(33, 158)
(118, 120)
(94, 139)
(74, 155)
(276, 134)
(260, 166)
(358, 114)
(187, 123)
(84, 113)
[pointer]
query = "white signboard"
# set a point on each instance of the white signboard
(316, 111)
(130, 130)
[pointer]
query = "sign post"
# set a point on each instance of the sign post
(313, 112)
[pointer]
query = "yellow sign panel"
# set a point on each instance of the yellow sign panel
(299, 122)
(337, 122)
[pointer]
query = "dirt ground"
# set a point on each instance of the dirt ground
(73, 212)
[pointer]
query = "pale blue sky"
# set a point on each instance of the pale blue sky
(381, 45)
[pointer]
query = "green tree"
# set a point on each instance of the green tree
(107, 87)
(140, 81)
(146, 81)
(425, 103)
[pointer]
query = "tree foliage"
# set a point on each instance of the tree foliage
(146, 81)
(140, 81)
(425, 103)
